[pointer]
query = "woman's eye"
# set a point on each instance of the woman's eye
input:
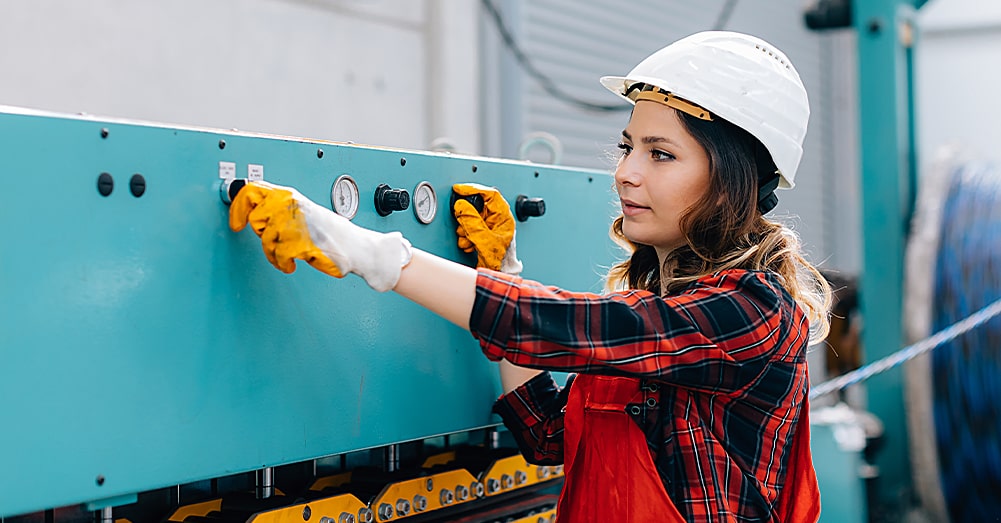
(661, 155)
(625, 148)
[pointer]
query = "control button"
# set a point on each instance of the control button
(228, 189)
(388, 200)
(475, 199)
(525, 207)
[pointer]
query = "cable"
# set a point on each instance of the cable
(939, 339)
(547, 83)
(724, 15)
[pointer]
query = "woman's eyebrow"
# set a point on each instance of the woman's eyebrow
(649, 139)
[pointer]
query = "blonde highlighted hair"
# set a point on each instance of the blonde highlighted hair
(726, 230)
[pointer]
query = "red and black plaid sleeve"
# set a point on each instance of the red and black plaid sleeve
(717, 336)
(533, 413)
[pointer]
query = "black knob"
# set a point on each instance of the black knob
(475, 199)
(388, 200)
(525, 207)
(230, 188)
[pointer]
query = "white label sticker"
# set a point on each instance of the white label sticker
(255, 173)
(227, 170)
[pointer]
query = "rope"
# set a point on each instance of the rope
(908, 353)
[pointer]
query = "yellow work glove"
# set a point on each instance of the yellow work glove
(293, 227)
(490, 233)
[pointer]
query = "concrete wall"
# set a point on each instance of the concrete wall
(368, 72)
(958, 78)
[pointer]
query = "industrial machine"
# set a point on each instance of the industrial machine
(156, 367)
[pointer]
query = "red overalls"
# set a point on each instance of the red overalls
(610, 474)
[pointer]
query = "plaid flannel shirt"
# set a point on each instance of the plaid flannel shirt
(728, 356)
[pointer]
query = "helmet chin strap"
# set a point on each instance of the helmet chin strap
(766, 193)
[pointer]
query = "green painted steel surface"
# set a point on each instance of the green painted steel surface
(842, 491)
(887, 169)
(144, 342)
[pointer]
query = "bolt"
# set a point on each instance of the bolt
(319, 153)
(542, 472)
(306, 513)
(385, 511)
(474, 168)
(402, 507)
(446, 497)
(346, 518)
(104, 132)
(420, 503)
(493, 485)
(137, 185)
(461, 492)
(100, 480)
(520, 477)
(105, 184)
(477, 489)
(507, 481)
(222, 144)
(364, 515)
(403, 161)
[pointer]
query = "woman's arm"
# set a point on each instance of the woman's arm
(448, 289)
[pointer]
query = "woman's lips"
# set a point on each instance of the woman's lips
(631, 208)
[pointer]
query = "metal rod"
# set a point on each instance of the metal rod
(392, 458)
(265, 483)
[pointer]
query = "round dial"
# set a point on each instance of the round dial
(425, 202)
(344, 196)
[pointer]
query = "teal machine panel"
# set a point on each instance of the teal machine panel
(146, 345)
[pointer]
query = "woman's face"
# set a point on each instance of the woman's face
(662, 171)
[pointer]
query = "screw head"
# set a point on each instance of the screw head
(222, 144)
(104, 132)
(100, 480)
(306, 513)
(105, 184)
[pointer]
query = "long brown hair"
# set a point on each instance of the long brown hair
(726, 229)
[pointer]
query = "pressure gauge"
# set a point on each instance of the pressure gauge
(344, 196)
(425, 202)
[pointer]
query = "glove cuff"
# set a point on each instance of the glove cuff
(389, 254)
(510, 264)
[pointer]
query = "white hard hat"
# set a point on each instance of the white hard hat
(738, 77)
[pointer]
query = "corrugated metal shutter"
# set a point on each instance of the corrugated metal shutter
(574, 42)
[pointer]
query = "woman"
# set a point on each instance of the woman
(690, 399)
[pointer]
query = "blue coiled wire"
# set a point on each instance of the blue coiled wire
(966, 373)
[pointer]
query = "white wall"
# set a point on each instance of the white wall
(958, 77)
(367, 72)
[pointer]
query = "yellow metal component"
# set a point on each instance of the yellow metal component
(514, 472)
(439, 459)
(332, 507)
(330, 481)
(419, 495)
(197, 509)
(548, 516)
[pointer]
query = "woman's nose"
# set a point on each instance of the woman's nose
(626, 173)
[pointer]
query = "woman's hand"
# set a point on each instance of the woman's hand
(491, 233)
(293, 227)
